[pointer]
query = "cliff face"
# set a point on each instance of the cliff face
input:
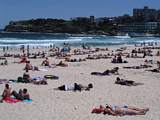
(55, 26)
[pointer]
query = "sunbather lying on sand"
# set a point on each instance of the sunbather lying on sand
(107, 72)
(134, 56)
(74, 60)
(154, 70)
(36, 80)
(39, 81)
(138, 67)
(26, 77)
(126, 82)
(62, 64)
(120, 110)
(74, 87)
(99, 56)
(46, 63)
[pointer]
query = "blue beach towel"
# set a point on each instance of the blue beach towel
(27, 101)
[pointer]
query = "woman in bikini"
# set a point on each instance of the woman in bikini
(123, 110)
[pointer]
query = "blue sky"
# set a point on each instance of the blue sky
(28, 9)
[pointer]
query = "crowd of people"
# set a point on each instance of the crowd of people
(114, 110)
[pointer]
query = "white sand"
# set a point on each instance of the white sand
(49, 104)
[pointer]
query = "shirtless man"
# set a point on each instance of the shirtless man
(6, 93)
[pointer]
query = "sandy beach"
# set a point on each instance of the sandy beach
(50, 104)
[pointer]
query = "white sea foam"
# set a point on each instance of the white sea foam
(123, 36)
(81, 37)
(13, 40)
(74, 40)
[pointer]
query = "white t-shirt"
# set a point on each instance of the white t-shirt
(69, 87)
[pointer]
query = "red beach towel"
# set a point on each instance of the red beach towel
(11, 100)
(97, 110)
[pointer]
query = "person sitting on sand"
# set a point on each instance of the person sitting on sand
(119, 59)
(75, 87)
(23, 59)
(114, 60)
(62, 64)
(158, 53)
(6, 92)
(144, 54)
(158, 64)
(121, 110)
(4, 63)
(21, 95)
(46, 62)
(30, 67)
(26, 78)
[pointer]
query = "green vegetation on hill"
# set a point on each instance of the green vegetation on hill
(75, 26)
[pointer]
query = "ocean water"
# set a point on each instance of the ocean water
(32, 39)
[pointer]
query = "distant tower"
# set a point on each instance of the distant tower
(92, 19)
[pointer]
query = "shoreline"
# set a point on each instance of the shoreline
(137, 35)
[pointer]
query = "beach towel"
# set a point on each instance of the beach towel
(28, 101)
(11, 100)
(12, 81)
(14, 100)
(97, 110)
(37, 78)
(3, 81)
(43, 70)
